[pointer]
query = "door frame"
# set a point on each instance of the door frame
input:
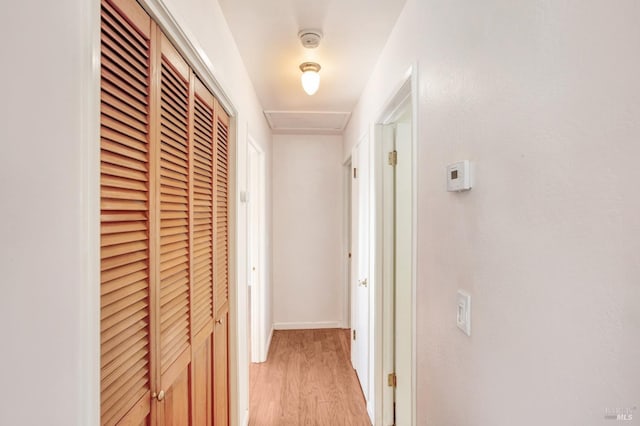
(347, 254)
(406, 91)
(89, 330)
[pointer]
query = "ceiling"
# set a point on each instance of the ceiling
(266, 32)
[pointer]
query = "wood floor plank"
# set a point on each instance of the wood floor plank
(307, 380)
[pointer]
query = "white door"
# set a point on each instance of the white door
(396, 241)
(255, 258)
(360, 283)
(397, 245)
(403, 274)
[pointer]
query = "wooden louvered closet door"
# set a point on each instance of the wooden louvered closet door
(203, 251)
(125, 256)
(165, 231)
(174, 246)
(221, 282)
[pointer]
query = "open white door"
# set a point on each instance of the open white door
(256, 252)
(395, 195)
(360, 344)
(403, 275)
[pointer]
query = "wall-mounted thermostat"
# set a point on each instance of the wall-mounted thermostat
(459, 176)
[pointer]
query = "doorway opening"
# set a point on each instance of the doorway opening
(396, 151)
(256, 251)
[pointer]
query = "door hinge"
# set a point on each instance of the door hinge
(393, 158)
(392, 381)
(354, 335)
(355, 173)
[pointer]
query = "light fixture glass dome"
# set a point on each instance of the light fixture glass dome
(310, 77)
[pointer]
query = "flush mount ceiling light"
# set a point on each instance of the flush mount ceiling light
(310, 77)
(310, 39)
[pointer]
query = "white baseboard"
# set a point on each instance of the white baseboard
(370, 412)
(306, 325)
(268, 345)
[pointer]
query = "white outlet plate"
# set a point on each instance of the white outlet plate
(463, 314)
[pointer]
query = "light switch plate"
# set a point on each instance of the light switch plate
(463, 316)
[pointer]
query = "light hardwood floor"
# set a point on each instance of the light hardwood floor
(307, 380)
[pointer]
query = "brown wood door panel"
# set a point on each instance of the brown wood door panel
(203, 198)
(202, 369)
(221, 276)
(203, 204)
(221, 370)
(173, 239)
(174, 409)
(140, 414)
(164, 231)
(125, 261)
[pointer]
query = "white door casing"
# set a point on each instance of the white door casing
(353, 284)
(395, 255)
(347, 182)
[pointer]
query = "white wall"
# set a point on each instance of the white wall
(49, 355)
(49, 187)
(544, 97)
(308, 276)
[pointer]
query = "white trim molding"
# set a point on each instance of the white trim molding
(406, 89)
(89, 321)
(305, 325)
(268, 345)
(189, 48)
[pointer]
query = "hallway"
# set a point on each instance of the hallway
(128, 151)
(307, 380)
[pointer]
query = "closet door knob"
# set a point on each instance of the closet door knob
(219, 321)
(160, 396)
(362, 283)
